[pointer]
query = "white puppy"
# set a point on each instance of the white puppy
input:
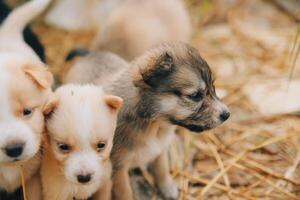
(24, 88)
(80, 129)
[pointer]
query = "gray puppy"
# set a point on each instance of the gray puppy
(169, 86)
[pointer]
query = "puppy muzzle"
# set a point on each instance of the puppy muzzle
(18, 142)
(191, 127)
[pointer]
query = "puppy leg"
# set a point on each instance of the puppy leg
(104, 193)
(121, 185)
(34, 188)
(162, 177)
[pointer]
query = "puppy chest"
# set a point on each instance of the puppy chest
(9, 178)
(79, 192)
(83, 195)
(150, 149)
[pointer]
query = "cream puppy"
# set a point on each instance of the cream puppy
(135, 26)
(24, 88)
(79, 14)
(126, 27)
(81, 121)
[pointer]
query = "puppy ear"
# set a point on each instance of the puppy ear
(162, 69)
(50, 106)
(113, 102)
(40, 75)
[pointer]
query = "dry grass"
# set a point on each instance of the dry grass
(251, 156)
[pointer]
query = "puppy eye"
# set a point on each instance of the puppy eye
(196, 96)
(27, 112)
(177, 93)
(100, 146)
(64, 148)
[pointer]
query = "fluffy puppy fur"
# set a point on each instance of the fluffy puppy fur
(25, 86)
(30, 37)
(127, 27)
(107, 62)
(79, 14)
(169, 86)
(80, 127)
(134, 26)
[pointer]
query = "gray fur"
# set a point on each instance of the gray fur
(96, 66)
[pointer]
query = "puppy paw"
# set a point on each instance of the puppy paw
(169, 190)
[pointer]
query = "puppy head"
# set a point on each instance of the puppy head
(81, 123)
(24, 90)
(176, 84)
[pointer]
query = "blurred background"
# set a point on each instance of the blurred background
(252, 47)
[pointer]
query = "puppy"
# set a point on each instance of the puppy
(84, 71)
(74, 15)
(134, 26)
(80, 126)
(30, 37)
(169, 86)
(24, 86)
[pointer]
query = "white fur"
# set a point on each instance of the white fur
(169, 189)
(11, 37)
(158, 145)
(16, 131)
(15, 23)
(15, 52)
(13, 130)
(14, 49)
(10, 175)
(81, 124)
(80, 14)
(70, 15)
(4, 79)
(84, 162)
(83, 115)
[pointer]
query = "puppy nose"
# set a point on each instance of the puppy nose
(224, 115)
(14, 150)
(84, 178)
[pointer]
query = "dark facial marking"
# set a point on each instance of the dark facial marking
(50, 114)
(154, 77)
(191, 127)
(199, 64)
(147, 107)
(197, 96)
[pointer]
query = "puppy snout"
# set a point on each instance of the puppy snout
(84, 178)
(224, 115)
(14, 150)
